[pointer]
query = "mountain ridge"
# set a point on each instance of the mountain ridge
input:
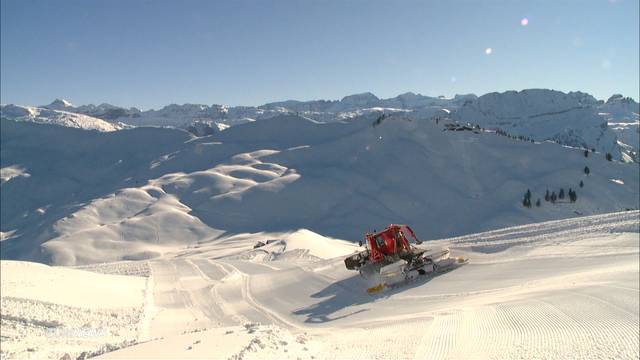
(575, 118)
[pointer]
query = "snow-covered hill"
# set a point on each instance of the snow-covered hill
(142, 192)
(558, 290)
(56, 114)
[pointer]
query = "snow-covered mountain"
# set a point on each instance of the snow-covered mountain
(137, 193)
(574, 119)
(59, 104)
(107, 112)
(55, 114)
(622, 115)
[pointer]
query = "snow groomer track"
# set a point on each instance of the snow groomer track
(560, 289)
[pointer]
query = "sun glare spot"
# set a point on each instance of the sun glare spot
(488, 51)
(524, 22)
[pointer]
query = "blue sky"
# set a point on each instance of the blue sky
(152, 53)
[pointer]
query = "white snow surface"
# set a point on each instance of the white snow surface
(48, 312)
(139, 193)
(56, 115)
(45, 283)
(13, 171)
(563, 289)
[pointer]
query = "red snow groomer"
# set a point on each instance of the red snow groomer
(390, 259)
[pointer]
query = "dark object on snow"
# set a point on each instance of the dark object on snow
(390, 259)
(526, 202)
(378, 120)
(259, 244)
(458, 127)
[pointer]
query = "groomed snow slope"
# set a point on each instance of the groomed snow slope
(563, 289)
(50, 311)
(138, 193)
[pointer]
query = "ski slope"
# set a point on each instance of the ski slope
(562, 289)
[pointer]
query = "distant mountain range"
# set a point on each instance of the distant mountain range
(575, 119)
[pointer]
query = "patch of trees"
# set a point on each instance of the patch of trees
(551, 197)
(378, 121)
(526, 202)
(514, 137)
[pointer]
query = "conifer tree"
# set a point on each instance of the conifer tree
(572, 195)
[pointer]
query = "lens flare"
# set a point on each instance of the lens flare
(488, 51)
(524, 22)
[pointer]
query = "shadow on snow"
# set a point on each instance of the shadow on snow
(340, 296)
